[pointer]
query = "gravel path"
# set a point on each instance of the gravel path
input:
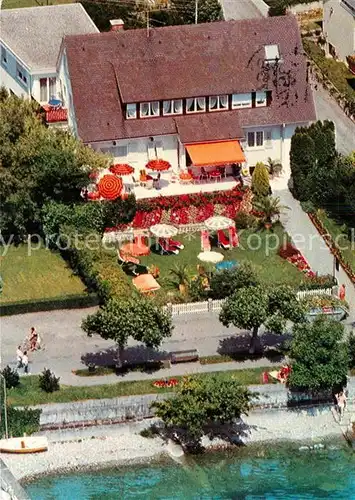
(121, 444)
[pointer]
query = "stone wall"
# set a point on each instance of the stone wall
(10, 487)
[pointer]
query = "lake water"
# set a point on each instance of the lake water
(248, 474)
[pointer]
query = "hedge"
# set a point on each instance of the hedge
(50, 304)
(20, 421)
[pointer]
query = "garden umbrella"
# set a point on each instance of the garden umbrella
(218, 222)
(121, 169)
(163, 230)
(110, 187)
(158, 165)
(213, 257)
(135, 249)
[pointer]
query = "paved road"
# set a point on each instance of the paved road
(328, 109)
(243, 9)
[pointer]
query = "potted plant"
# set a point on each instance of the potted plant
(270, 208)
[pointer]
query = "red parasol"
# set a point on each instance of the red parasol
(110, 187)
(158, 165)
(121, 169)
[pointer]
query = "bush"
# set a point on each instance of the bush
(48, 382)
(49, 304)
(244, 220)
(351, 347)
(12, 378)
(20, 421)
(308, 207)
(260, 183)
(224, 283)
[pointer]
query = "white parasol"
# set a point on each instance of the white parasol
(213, 257)
(219, 222)
(163, 230)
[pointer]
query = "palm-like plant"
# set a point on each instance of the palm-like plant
(270, 208)
(180, 277)
(274, 167)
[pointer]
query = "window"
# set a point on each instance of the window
(272, 53)
(260, 99)
(131, 111)
(241, 101)
(173, 107)
(43, 93)
(195, 105)
(218, 102)
(20, 73)
(149, 109)
(52, 87)
(255, 139)
(3, 56)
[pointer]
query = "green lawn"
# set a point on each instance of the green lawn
(29, 393)
(335, 230)
(271, 267)
(15, 4)
(43, 274)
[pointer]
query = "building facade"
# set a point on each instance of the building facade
(170, 93)
(339, 28)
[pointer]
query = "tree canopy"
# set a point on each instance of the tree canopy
(225, 282)
(249, 308)
(136, 317)
(37, 165)
(319, 358)
(200, 402)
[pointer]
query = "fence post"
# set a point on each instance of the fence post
(335, 291)
(169, 307)
(209, 305)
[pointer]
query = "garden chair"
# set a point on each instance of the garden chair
(223, 241)
(167, 249)
(204, 174)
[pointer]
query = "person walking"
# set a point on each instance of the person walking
(19, 356)
(341, 402)
(25, 363)
(33, 338)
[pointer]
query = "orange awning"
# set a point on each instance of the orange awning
(215, 153)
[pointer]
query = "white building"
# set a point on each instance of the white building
(197, 96)
(30, 40)
(339, 28)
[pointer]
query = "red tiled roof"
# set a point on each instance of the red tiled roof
(204, 127)
(107, 69)
(54, 115)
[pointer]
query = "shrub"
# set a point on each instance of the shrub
(224, 283)
(308, 207)
(12, 378)
(260, 183)
(48, 382)
(351, 347)
(244, 220)
(316, 282)
(20, 421)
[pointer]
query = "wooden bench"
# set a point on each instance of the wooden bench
(184, 356)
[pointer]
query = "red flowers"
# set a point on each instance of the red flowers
(294, 256)
(110, 187)
(172, 382)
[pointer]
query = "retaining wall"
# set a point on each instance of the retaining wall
(10, 485)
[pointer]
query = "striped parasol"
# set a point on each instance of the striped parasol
(110, 187)
(121, 169)
(158, 165)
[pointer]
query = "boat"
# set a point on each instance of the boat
(24, 444)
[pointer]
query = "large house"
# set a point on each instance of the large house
(30, 39)
(339, 28)
(198, 95)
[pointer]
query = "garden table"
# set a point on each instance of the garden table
(227, 264)
(216, 175)
(213, 257)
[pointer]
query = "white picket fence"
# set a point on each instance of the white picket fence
(210, 305)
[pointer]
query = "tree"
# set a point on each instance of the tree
(302, 160)
(225, 282)
(136, 317)
(249, 308)
(351, 347)
(180, 277)
(319, 359)
(274, 167)
(200, 402)
(208, 11)
(260, 183)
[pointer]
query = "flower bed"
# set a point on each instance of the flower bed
(161, 384)
(333, 248)
(294, 256)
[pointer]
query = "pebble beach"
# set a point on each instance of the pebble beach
(100, 447)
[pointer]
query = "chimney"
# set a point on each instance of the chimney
(117, 24)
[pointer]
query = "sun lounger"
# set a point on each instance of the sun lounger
(223, 241)
(166, 248)
(176, 244)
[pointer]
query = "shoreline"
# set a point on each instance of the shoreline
(121, 445)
